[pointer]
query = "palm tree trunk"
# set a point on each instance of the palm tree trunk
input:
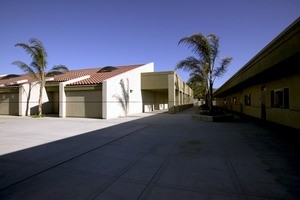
(28, 99)
(41, 97)
(210, 96)
(210, 88)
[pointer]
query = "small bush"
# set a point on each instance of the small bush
(203, 107)
(204, 110)
(38, 116)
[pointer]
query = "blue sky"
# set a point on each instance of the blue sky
(92, 33)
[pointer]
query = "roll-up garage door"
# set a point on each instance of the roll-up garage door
(84, 104)
(9, 103)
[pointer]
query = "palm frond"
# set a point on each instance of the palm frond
(207, 48)
(199, 45)
(39, 57)
(196, 78)
(37, 44)
(59, 68)
(198, 85)
(40, 70)
(27, 48)
(218, 72)
(25, 68)
(189, 64)
(214, 45)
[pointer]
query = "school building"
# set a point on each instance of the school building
(268, 86)
(102, 92)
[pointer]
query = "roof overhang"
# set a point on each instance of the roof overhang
(278, 58)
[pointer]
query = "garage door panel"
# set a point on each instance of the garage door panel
(9, 104)
(84, 104)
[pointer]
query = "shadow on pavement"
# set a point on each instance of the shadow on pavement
(161, 156)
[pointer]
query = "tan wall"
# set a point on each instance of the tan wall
(9, 103)
(48, 106)
(177, 93)
(84, 104)
(278, 59)
(52, 106)
(56, 103)
(180, 94)
(148, 100)
(155, 80)
(161, 100)
(289, 117)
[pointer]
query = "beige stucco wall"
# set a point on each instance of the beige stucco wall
(32, 104)
(25, 98)
(111, 89)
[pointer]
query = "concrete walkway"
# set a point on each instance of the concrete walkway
(148, 156)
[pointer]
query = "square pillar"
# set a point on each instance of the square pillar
(62, 100)
(104, 100)
(171, 93)
(23, 89)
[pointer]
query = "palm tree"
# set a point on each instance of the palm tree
(37, 67)
(202, 65)
(198, 86)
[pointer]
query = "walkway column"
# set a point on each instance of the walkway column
(23, 90)
(62, 100)
(104, 100)
(171, 93)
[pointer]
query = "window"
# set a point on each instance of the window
(280, 98)
(248, 100)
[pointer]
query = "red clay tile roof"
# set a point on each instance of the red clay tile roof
(72, 74)
(97, 78)
(11, 82)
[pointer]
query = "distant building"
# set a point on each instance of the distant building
(106, 92)
(268, 86)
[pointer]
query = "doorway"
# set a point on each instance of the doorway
(263, 103)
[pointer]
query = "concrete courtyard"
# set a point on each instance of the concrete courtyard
(147, 156)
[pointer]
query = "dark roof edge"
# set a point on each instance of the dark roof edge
(257, 57)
